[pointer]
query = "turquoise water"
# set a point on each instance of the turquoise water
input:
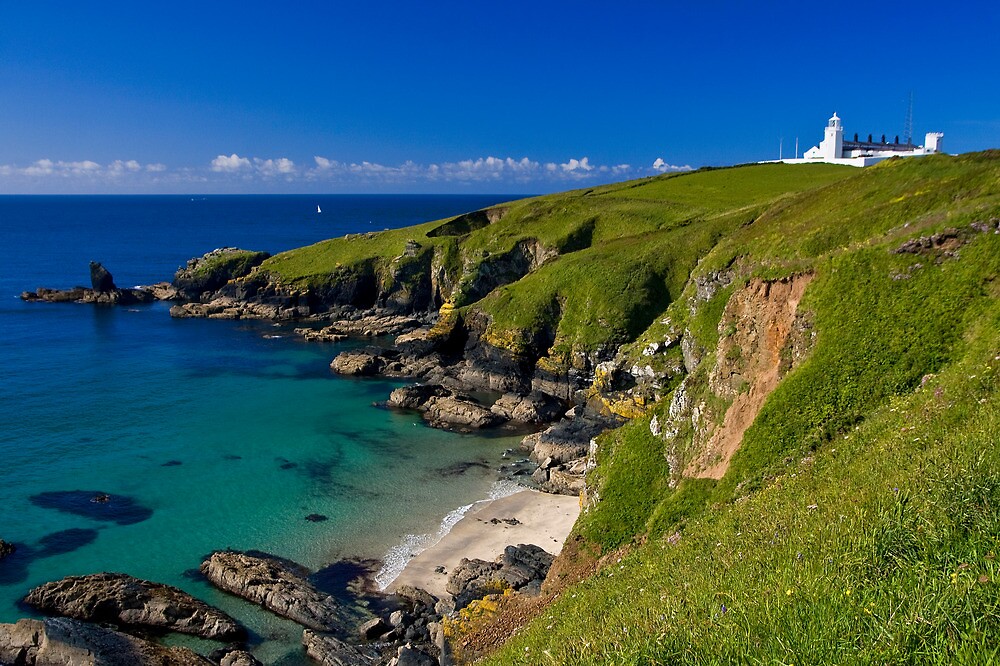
(222, 435)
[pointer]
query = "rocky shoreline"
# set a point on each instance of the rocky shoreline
(462, 385)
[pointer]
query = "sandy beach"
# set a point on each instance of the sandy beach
(542, 519)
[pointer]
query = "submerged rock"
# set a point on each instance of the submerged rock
(6, 549)
(65, 642)
(121, 599)
(277, 585)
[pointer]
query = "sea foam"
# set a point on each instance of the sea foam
(398, 556)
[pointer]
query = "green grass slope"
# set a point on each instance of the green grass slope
(859, 522)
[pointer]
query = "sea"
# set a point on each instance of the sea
(204, 434)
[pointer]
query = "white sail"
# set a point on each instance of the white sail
(318, 209)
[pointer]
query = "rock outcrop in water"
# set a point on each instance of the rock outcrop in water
(277, 585)
(65, 642)
(6, 549)
(121, 599)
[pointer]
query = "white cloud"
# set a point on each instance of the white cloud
(577, 165)
(662, 167)
(156, 168)
(269, 168)
(230, 164)
(119, 166)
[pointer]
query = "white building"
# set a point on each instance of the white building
(833, 149)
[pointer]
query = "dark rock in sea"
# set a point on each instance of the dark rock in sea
(121, 599)
(232, 456)
(93, 504)
(65, 642)
(357, 363)
(415, 396)
(373, 629)
(64, 541)
(329, 651)
(456, 411)
(288, 465)
(100, 278)
(172, 463)
(6, 549)
(519, 567)
(316, 517)
(276, 584)
(233, 655)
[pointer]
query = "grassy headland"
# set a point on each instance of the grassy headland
(809, 355)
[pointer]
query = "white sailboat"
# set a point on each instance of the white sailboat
(318, 209)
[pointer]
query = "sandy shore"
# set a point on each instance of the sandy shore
(543, 519)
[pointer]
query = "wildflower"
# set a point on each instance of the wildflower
(847, 592)
(789, 592)
(724, 609)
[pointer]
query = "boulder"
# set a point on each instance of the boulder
(407, 655)
(6, 549)
(233, 655)
(276, 584)
(330, 651)
(519, 567)
(535, 407)
(416, 596)
(373, 629)
(416, 396)
(240, 658)
(121, 599)
(357, 363)
(66, 642)
(454, 410)
(100, 278)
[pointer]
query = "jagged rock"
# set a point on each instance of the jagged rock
(100, 278)
(121, 599)
(240, 658)
(456, 411)
(535, 407)
(416, 596)
(6, 549)
(329, 651)
(407, 655)
(276, 585)
(214, 269)
(416, 396)
(517, 568)
(357, 363)
(568, 439)
(396, 619)
(233, 655)
(373, 628)
(65, 642)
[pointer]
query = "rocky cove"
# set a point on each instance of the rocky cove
(105, 614)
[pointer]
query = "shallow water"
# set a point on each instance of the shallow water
(204, 434)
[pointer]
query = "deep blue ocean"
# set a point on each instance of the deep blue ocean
(204, 434)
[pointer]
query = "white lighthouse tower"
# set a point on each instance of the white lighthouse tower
(832, 146)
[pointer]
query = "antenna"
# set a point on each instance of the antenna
(908, 124)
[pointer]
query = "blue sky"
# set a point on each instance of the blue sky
(466, 96)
